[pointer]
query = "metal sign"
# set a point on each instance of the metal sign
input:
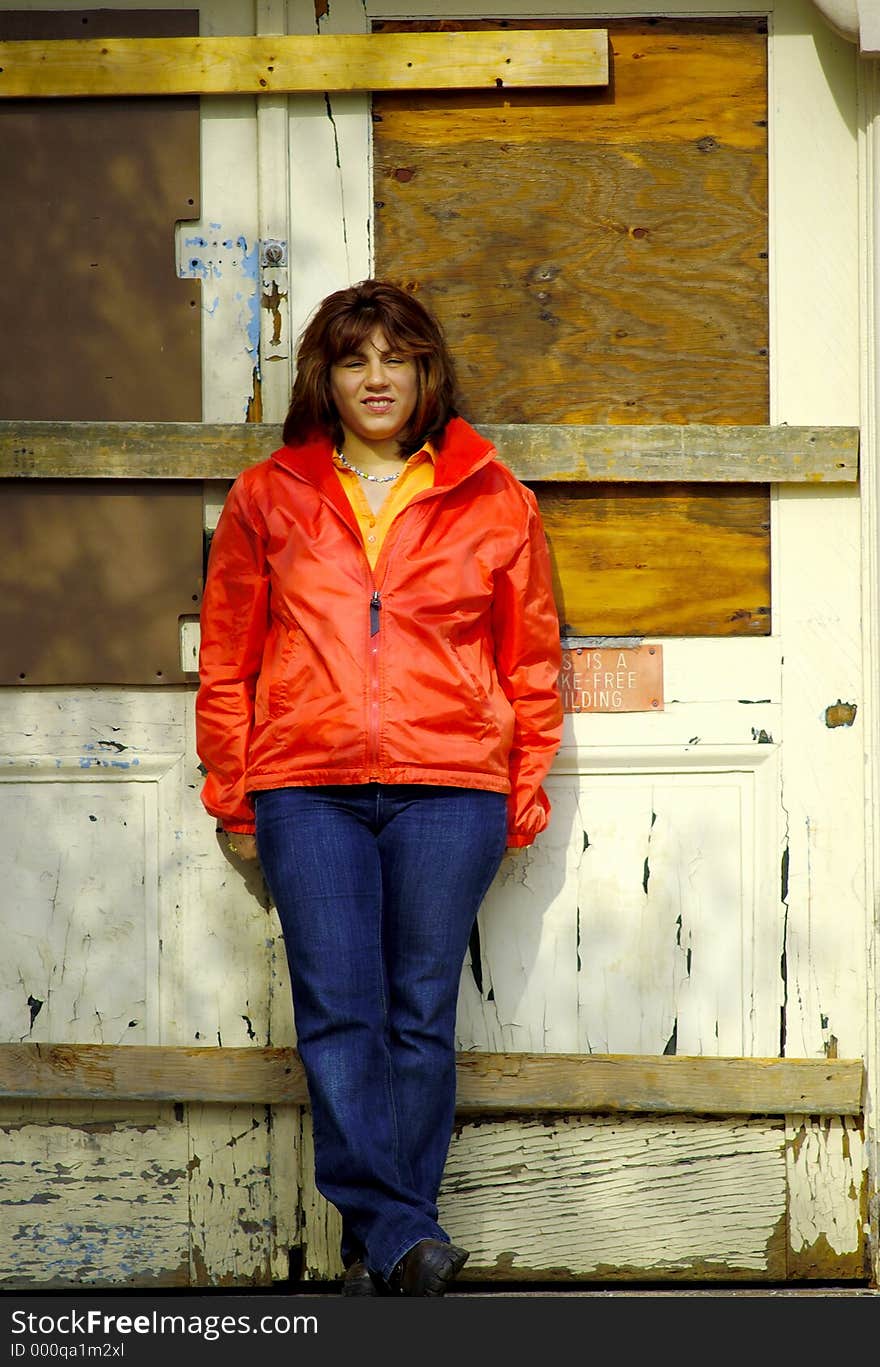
(612, 679)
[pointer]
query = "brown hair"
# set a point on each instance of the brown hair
(340, 326)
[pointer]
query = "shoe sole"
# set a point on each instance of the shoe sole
(440, 1284)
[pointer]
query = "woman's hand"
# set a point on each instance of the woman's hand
(242, 846)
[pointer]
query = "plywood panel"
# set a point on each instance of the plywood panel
(674, 560)
(101, 328)
(601, 257)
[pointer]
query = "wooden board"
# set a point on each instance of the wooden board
(486, 1082)
(580, 1199)
(666, 560)
(557, 452)
(135, 1198)
(573, 1200)
(600, 257)
(300, 64)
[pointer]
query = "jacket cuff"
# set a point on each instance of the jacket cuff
(238, 828)
(524, 825)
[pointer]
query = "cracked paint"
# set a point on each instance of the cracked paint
(476, 957)
(827, 1174)
(783, 954)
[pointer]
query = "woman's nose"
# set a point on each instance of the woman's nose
(376, 376)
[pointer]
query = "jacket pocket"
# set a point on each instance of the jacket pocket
(273, 687)
(282, 689)
(470, 676)
(479, 690)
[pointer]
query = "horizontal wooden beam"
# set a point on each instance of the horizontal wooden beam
(487, 1083)
(660, 453)
(303, 63)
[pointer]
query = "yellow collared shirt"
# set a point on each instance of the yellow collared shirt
(417, 474)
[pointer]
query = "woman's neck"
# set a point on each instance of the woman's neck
(379, 458)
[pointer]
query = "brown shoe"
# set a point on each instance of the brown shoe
(358, 1280)
(428, 1268)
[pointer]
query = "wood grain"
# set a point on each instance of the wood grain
(663, 560)
(486, 1082)
(301, 63)
(594, 256)
(610, 1200)
(600, 258)
(639, 453)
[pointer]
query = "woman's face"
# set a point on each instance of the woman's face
(375, 390)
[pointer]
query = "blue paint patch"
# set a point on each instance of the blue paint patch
(250, 269)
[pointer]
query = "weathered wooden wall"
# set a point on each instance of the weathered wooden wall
(717, 903)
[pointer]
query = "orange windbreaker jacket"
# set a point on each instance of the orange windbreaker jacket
(441, 666)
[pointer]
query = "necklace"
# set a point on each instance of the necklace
(377, 479)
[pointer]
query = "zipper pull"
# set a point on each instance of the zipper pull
(375, 605)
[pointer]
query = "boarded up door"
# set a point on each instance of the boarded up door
(604, 258)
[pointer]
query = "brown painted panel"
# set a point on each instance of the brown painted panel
(601, 257)
(94, 578)
(100, 328)
(98, 325)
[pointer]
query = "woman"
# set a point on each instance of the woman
(379, 703)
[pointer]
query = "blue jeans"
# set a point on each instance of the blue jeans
(377, 887)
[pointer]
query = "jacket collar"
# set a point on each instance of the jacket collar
(460, 452)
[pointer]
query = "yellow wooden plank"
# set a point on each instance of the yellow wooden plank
(496, 1083)
(302, 63)
(580, 454)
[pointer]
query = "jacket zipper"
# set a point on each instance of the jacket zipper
(373, 744)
